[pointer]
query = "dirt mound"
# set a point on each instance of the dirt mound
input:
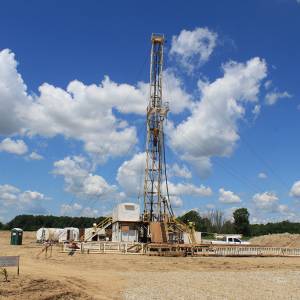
(277, 240)
(38, 289)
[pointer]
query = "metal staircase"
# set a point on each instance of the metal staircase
(100, 226)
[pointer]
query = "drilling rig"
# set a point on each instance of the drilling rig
(158, 217)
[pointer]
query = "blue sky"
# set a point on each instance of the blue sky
(73, 92)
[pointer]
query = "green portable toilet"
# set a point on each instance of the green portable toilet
(16, 236)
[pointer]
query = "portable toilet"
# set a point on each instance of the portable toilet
(16, 236)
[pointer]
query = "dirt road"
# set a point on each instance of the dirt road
(108, 276)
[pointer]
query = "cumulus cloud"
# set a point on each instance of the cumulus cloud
(174, 93)
(211, 129)
(295, 190)
(9, 194)
(179, 171)
(82, 112)
(15, 201)
(130, 174)
(131, 178)
(79, 180)
(256, 110)
(176, 201)
(193, 48)
(13, 94)
(267, 208)
(267, 201)
(268, 84)
(35, 156)
(13, 146)
(181, 189)
(78, 210)
(30, 196)
(273, 97)
(262, 175)
(228, 197)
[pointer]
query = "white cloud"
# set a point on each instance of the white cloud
(210, 206)
(179, 171)
(176, 201)
(20, 201)
(268, 209)
(80, 182)
(267, 201)
(262, 175)
(131, 178)
(67, 209)
(13, 146)
(193, 48)
(13, 94)
(174, 93)
(283, 209)
(9, 194)
(82, 112)
(30, 196)
(181, 189)
(90, 212)
(256, 110)
(273, 97)
(228, 197)
(130, 174)
(35, 156)
(268, 84)
(211, 130)
(77, 210)
(295, 190)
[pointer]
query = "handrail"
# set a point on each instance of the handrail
(104, 223)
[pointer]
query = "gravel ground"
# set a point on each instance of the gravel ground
(186, 285)
(116, 277)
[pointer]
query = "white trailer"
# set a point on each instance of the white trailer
(48, 234)
(69, 234)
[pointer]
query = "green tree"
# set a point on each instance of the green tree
(241, 221)
(30, 222)
(228, 227)
(194, 216)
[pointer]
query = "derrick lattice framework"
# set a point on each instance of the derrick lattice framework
(157, 206)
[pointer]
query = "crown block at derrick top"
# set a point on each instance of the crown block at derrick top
(157, 38)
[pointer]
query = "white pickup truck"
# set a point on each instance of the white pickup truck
(229, 240)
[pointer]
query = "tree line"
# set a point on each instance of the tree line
(31, 222)
(213, 222)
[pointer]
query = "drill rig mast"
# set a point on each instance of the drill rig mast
(157, 206)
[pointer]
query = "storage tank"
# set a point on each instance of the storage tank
(48, 234)
(69, 234)
(129, 212)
